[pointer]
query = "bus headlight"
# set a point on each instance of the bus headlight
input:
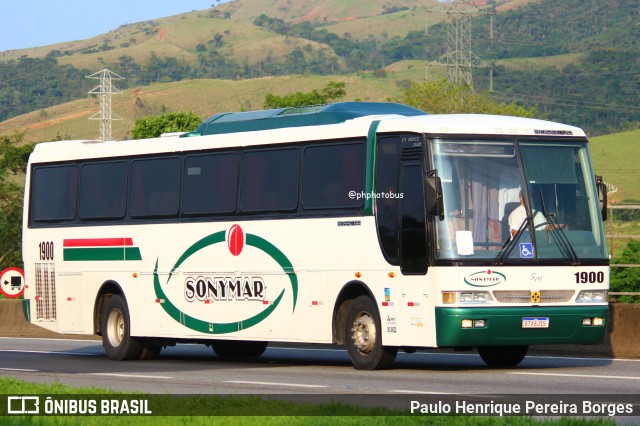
(592, 296)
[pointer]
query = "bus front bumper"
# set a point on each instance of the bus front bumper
(505, 326)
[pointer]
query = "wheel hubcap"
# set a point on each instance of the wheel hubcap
(363, 333)
(115, 328)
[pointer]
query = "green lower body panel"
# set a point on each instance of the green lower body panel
(26, 309)
(504, 326)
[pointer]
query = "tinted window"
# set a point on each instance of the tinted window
(210, 184)
(330, 173)
(155, 187)
(387, 207)
(103, 190)
(413, 238)
(269, 180)
(53, 193)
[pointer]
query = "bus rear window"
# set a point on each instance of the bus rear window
(53, 193)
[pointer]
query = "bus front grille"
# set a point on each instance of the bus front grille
(524, 296)
(45, 291)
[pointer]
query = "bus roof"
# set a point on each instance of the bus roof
(312, 115)
(335, 121)
(481, 124)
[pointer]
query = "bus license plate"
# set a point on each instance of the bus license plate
(529, 322)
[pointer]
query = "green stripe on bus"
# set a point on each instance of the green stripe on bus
(101, 254)
(371, 164)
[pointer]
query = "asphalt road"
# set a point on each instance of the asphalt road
(194, 369)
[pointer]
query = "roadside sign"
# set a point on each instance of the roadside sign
(12, 282)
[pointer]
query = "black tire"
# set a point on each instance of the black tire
(364, 337)
(503, 356)
(116, 331)
(238, 348)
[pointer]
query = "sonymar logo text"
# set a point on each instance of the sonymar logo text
(224, 289)
(487, 278)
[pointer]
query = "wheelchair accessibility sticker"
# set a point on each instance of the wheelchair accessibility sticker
(526, 250)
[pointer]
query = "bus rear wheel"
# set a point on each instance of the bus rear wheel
(503, 356)
(364, 338)
(116, 331)
(238, 349)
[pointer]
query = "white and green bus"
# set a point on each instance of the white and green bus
(370, 225)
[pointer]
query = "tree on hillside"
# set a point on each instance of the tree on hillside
(155, 125)
(331, 92)
(13, 161)
(445, 97)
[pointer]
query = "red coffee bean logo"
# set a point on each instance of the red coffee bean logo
(235, 240)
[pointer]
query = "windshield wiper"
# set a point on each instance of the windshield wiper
(555, 230)
(511, 243)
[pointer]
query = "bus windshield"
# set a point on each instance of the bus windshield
(518, 201)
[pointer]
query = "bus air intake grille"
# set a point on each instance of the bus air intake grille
(46, 291)
(524, 296)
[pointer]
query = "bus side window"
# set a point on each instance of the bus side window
(269, 180)
(103, 190)
(53, 193)
(330, 172)
(210, 184)
(155, 187)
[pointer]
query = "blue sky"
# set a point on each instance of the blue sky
(31, 23)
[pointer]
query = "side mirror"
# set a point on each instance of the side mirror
(433, 203)
(602, 196)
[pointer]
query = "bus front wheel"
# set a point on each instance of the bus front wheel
(503, 356)
(364, 337)
(116, 329)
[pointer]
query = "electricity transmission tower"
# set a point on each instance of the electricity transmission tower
(104, 90)
(459, 58)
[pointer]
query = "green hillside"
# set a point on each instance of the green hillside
(617, 158)
(574, 59)
(206, 97)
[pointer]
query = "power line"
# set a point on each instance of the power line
(104, 90)
(459, 58)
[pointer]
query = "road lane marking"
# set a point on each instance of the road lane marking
(422, 392)
(133, 376)
(243, 382)
(50, 352)
(586, 376)
(26, 370)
